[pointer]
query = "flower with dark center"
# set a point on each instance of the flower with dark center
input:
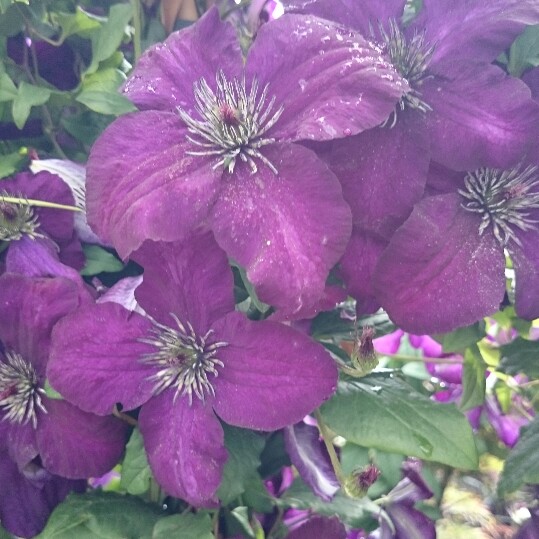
(189, 361)
(432, 276)
(216, 143)
(32, 425)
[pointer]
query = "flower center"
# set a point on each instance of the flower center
(20, 394)
(411, 58)
(503, 199)
(233, 122)
(17, 220)
(183, 360)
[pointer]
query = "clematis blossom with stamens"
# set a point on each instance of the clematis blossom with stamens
(189, 361)
(215, 145)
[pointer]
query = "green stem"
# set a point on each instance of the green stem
(328, 441)
(138, 28)
(38, 203)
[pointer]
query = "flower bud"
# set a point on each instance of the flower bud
(363, 355)
(358, 482)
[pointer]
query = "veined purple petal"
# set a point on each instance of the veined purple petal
(383, 172)
(287, 230)
(95, 358)
(185, 447)
(142, 185)
(76, 444)
(29, 309)
(359, 16)
(526, 263)
(309, 455)
(410, 523)
(191, 279)
(273, 375)
(330, 81)
(481, 117)
(318, 526)
(478, 30)
(164, 75)
(433, 275)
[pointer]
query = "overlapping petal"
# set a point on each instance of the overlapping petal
(287, 230)
(185, 447)
(273, 375)
(526, 263)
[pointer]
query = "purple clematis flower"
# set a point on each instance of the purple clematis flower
(433, 275)
(33, 424)
(215, 144)
(191, 358)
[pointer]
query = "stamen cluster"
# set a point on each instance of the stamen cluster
(17, 220)
(183, 359)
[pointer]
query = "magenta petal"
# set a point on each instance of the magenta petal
(21, 442)
(480, 118)
(95, 358)
(142, 185)
(185, 447)
(191, 279)
(29, 308)
(526, 262)
(318, 526)
(287, 230)
(388, 344)
(273, 375)
(331, 82)
(164, 75)
(438, 273)
(76, 444)
(478, 30)
(383, 172)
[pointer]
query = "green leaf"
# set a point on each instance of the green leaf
(51, 392)
(104, 80)
(101, 515)
(11, 163)
(106, 102)
(28, 96)
(99, 260)
(186, 526)
(108, 39)
(522, 463)
(136, 473)
(8, 90)
(4, 534)
(473, 379)
(80, 22)
(244, 449)
(461, 338)
(520, 356)
(388, 414)
(524, 52)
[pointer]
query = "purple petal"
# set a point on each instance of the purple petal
(526, 262)
(123, 293)
(164, 75)
(383, 172)
(449, 373)
(357, 268)
(478, 30)
(438, 273)
(142, 185)
(95, 358)
(410, 523)
(331, 82)
(65, 433)
(309, 455)
(388, 344)
(507, 426)
(317, 526)
(287, 230)
(530, 529)
(349, 12)
(29, 309)
(481, 117)
(185, 447)
(428, 345)
(531, 78)
(21, 442)
(273, 375)
(192, 280)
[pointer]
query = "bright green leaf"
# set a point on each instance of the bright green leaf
(80, 22)
(106, 102)
(461, 338)
(388, 414)
(51, 392)
(520, 356)
(101, 515)
(11, 163)
(104, 80)
(28, 96)
(186, 526)
(8, 90)
(136, 473)
(473, 379)
(99, 260)
(522, 463)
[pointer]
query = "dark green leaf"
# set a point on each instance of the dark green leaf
(244, 449)
(80, 22)
(99, 260)
(4, 534)
(185, 526)
(106, 102)
(101, 515)
(136, 473)
(28, 96)
(104, 80)
(274, 455)
(473, 379)
(524, 52)
(388, 414)
(460, 339)
(522, 464)
(521, 356)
